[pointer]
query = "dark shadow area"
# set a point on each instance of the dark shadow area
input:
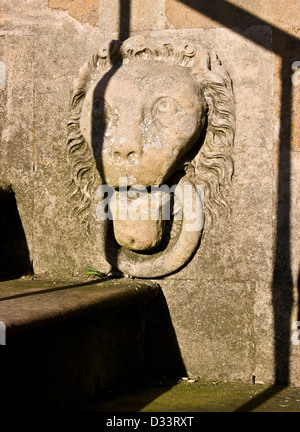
(287, 47)
(282, 287)
(162, 352)
(61, 366)
(133, 397)
(125, 8)
(161, 369)
(98, 119)
(260, 399)
(14, 253)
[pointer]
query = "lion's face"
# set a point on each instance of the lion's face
(142, 122)
(137, 109)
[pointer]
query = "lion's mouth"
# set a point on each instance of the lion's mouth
(139, 216)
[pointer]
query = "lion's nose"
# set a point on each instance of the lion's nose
(127, 149)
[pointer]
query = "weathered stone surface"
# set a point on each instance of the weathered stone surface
(34, 130)
(221, 332)
(242, 13)
(31, 305)
(118, 20)
(294, 219)
(17, 126)
(193, 13)
(85, 11)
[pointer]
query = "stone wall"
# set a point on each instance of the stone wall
(234, 304)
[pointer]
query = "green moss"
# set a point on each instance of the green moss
(205, 397)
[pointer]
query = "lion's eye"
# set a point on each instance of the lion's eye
(165, 105)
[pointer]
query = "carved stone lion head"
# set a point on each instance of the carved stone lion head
(148, 113)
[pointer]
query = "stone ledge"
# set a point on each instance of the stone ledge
(66, 344)
(27, 305)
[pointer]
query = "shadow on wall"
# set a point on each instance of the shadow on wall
(14, 253)
(98, 101)
(162, 351)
